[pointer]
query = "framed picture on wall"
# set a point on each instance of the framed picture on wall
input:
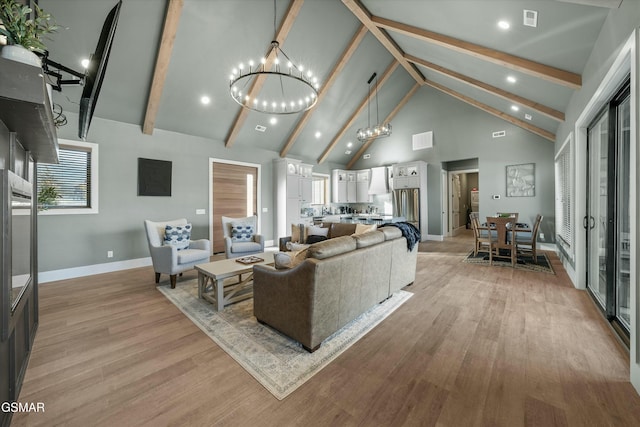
(521, 180)
(154, 177)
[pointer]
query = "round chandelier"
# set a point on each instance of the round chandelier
(288, 88)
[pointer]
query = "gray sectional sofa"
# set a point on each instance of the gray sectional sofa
(339, 279)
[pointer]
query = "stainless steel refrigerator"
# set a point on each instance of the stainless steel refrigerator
(406, 203)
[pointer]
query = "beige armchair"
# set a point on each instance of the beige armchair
(169, 259)
(240, 236)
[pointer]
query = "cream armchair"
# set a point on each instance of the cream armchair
(241, 245)
(168, 259)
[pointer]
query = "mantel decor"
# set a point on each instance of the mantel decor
(521, 180)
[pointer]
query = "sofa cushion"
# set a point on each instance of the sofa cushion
(188, 256)
(337, 229)
(364, 228)
(178, 236)
(391, 233)
(369, 238)
(285, 260)
(242, 247)
(332, 247)
(314, 230)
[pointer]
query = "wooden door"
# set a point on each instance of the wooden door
(234, 195)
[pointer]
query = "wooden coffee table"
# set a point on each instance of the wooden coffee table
(211, 277)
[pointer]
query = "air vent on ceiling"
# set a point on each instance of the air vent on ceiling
(261, 128)
(499, 134)
(528, 116)
(422, 140)
(530, 18)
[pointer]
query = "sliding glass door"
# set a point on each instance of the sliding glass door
(607, 219)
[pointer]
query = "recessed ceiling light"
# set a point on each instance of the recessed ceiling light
(273, 120)
(349, 144)
(84, 62)
(347, 152)
(515, 108)
(511, 79)
(504, 25)
(205, 100)
(318, 134)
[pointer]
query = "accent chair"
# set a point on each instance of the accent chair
(240, 236)
(173, 256)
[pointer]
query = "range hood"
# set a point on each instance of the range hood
(379, 183)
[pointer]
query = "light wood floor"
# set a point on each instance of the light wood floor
(475, 346)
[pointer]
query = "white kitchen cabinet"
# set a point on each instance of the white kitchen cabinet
(362, 186)
(352, 188)
(294, 191)
(339, 186)
(408, 175)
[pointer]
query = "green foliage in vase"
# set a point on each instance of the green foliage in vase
(20, 28)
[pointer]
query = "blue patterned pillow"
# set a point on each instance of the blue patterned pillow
(241, 232)
(178, 236)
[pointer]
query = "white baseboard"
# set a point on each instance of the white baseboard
(89, 270)
(548, 247)
(436, 237)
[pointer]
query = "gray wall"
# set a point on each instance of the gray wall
(463, 132)
(67, 241)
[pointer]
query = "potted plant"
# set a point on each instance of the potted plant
(24, 29)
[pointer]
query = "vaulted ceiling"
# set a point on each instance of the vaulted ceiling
(167, 55)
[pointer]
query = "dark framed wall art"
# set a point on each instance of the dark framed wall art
(154, 177)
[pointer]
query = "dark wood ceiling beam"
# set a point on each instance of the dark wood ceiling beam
(390, 117)
(171, 21)
(511, 97)
(493, 111)
(365, 17)
(258, 82)
(390, 69)
(545, 72)
(344, 59)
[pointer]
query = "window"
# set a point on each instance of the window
(319, 189)
(72, 184)
(564, 191)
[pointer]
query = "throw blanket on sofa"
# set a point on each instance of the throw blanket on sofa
(409, 231)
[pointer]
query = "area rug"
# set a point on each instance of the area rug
(524, 262)
(280, 364)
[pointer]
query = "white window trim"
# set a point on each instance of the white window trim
(93, 148)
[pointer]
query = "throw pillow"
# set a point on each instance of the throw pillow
(178, 236)
(241, 232)
(317, 231)
(315, 239)
(298, 233)
(363, 228)
(293, 247)
(286, 260)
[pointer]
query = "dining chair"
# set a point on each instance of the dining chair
(499, 241)
(526, 240)
(480, 233)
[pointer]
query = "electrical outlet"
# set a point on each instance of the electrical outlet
(201, 211)
(541, 236)
(496, 197)
(265, 210)
(109, 254)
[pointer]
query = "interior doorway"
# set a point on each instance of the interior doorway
(234, 192)
(463, 198)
